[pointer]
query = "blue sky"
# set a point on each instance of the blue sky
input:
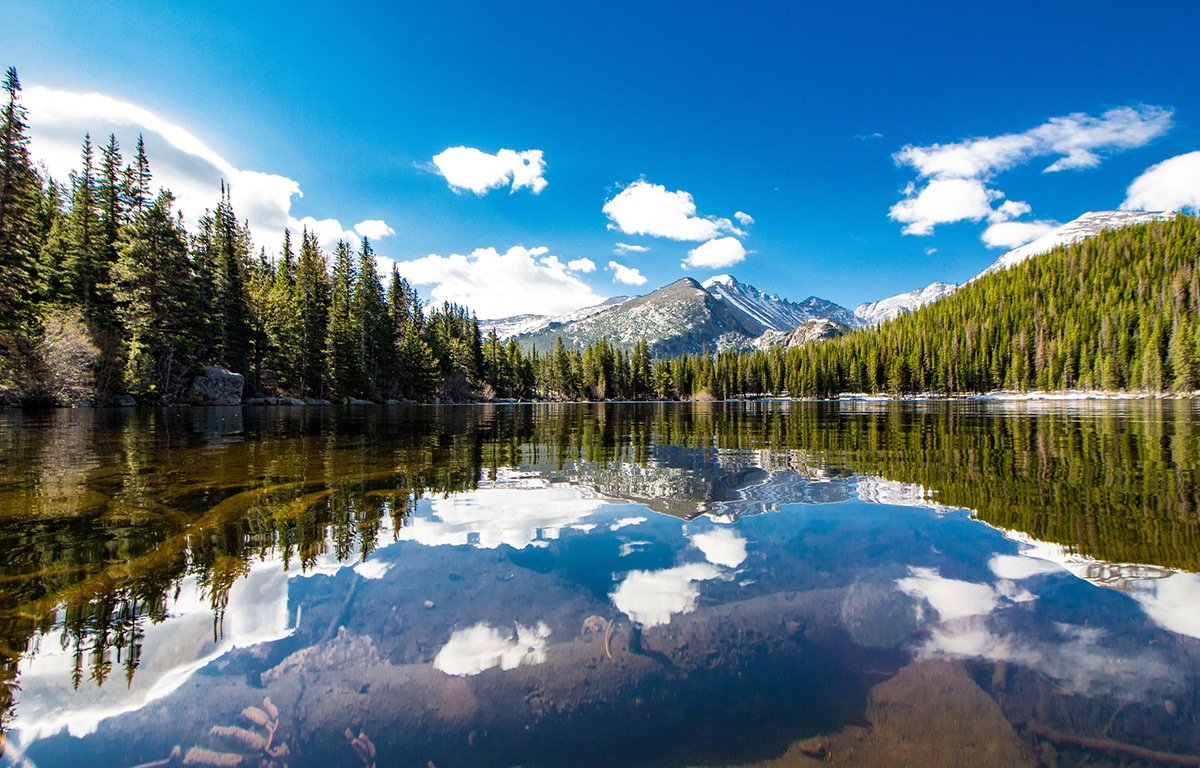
(810, 119)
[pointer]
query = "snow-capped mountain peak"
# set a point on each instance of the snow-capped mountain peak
(768, 311)
(877, 312)
(719, 280)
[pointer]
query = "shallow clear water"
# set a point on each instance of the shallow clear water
(632, 585)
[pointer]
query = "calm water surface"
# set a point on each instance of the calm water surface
(775, 584)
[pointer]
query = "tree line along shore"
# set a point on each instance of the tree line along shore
(106, 297)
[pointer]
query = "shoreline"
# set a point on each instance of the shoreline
(997, 396)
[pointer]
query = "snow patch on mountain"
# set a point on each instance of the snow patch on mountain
(876, 312)
(521, 324)
(768, 312)
(1088, 225)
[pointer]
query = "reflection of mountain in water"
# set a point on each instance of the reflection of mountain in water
(687, 482)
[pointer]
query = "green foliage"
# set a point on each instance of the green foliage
(1118, 311)
(154, 290)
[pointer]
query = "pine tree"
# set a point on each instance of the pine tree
(136, 181)
(152, 283)
(374, 326)
(342, 359)
(312, 291)
(86, 268)
(221, 258)
(283, 323)
(19, 190)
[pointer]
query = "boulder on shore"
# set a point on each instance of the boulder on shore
(216, 386)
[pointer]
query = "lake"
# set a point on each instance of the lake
(665, 584)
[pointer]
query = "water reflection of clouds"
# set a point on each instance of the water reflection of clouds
(951, 598)
(481, 646)
(1080, 659)
(651, 598)
(172, 651)
(492, 516)
(721, 547)
(1167, 597)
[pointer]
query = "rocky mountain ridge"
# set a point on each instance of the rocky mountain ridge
(680, 318)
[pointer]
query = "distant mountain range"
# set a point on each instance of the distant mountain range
(679, 318)
(722, 313)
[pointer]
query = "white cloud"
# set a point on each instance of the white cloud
(477, 648)
(1009, 209)
(721, 547)
(1172, 185)
(951, 598)
(651, 598)
(179, 160)
(497, 284)
(716, 254)
(328, 231)
(1078, 138)
(623, 248)
(1014, 234)
(744, 219)
(643, 208)
(582, 265)
(1018, 567)
(943, 201)
(956, 175)
(625, 522)
(479, 172)
(626, 275)
(373, 228)
(489, 517)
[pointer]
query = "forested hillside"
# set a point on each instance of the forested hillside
(103, 292)
(1117, 311)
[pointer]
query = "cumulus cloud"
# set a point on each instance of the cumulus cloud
(744, 219)
(493, 284)
(623, 248)
(373, 228)
(951, 598)
(475, 170)
(582, 265)
(1014, 234)
(475, 649)
(626, 275)
(179, 160)
(943, 201)
(511, 512)
(1172, 185)
(956, 175)
(651, 598)
(643, 208)
(716, 254)
(721, 547)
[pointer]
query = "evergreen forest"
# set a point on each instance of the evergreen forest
(104, 293)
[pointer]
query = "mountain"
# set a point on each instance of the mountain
(686, 317)
(877, 312)
(770, 312)
(526, 324)
(1086, 226)
(820, 329)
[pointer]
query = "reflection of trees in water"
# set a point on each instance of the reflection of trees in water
(102, 514)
